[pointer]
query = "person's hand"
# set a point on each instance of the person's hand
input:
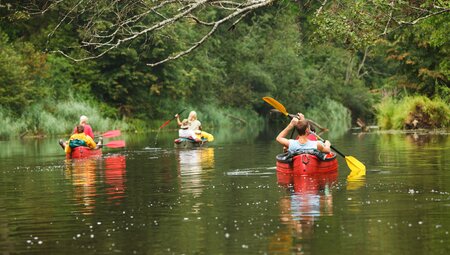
(296, 119)
(300, 116)
(294, 122)
(177, 116)
(327, 143)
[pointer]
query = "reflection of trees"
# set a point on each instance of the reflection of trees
(309, 197)
(410, 151)
(191, 164)
(419, 139)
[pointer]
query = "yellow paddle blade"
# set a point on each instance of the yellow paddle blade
(276, 105)
(355, 165)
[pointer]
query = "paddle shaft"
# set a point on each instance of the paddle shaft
(352, 162)
(277, 105)
(320, 138)
(167, 122)
(310, 121)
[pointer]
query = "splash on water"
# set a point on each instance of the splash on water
(251, 171)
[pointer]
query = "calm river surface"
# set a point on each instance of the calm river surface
(225, 198)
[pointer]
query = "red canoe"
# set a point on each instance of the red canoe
(306, 164)
(84, 152)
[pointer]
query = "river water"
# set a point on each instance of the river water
(150, 198)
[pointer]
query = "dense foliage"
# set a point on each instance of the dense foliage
(413, 113)
(307, 57)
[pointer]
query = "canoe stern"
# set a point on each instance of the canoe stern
(306, 164)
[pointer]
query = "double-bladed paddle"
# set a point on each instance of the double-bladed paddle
(352, 162)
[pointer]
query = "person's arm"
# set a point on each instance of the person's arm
(178, 119)
(281, 138)
(324, 147)
(90, 142)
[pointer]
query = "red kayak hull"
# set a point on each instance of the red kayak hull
(84, 152)
(307, 164)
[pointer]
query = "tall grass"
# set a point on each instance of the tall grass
(10, 126)
(230, 124)
(225, 117)
(57, 119)
(71, 111)
(397, 114)
(332, 115)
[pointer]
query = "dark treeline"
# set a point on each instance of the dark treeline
(307, 55)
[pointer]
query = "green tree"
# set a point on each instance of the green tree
(21, 69)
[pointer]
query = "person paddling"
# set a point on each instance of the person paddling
(87, 128)
(196, 126)
(79, 139)
(185, 132)
(194, 123)
(302, 142)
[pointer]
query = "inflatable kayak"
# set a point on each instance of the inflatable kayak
(306, 163)
(182, 142)
(84, 152)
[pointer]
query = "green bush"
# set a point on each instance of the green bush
(413, 112)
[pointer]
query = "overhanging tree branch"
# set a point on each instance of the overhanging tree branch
(110, 25)
(104, 25)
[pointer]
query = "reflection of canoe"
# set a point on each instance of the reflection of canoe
(188, 143)
(305, 164)
(307, 184)
(84, 152)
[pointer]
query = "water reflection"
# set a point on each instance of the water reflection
(309, 197)
(115, 177)
(85, 177)
(400, 207)
(356, 180)
(419, 139)
(191, 164)
(82, 173)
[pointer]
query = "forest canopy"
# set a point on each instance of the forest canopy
(142, 59)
